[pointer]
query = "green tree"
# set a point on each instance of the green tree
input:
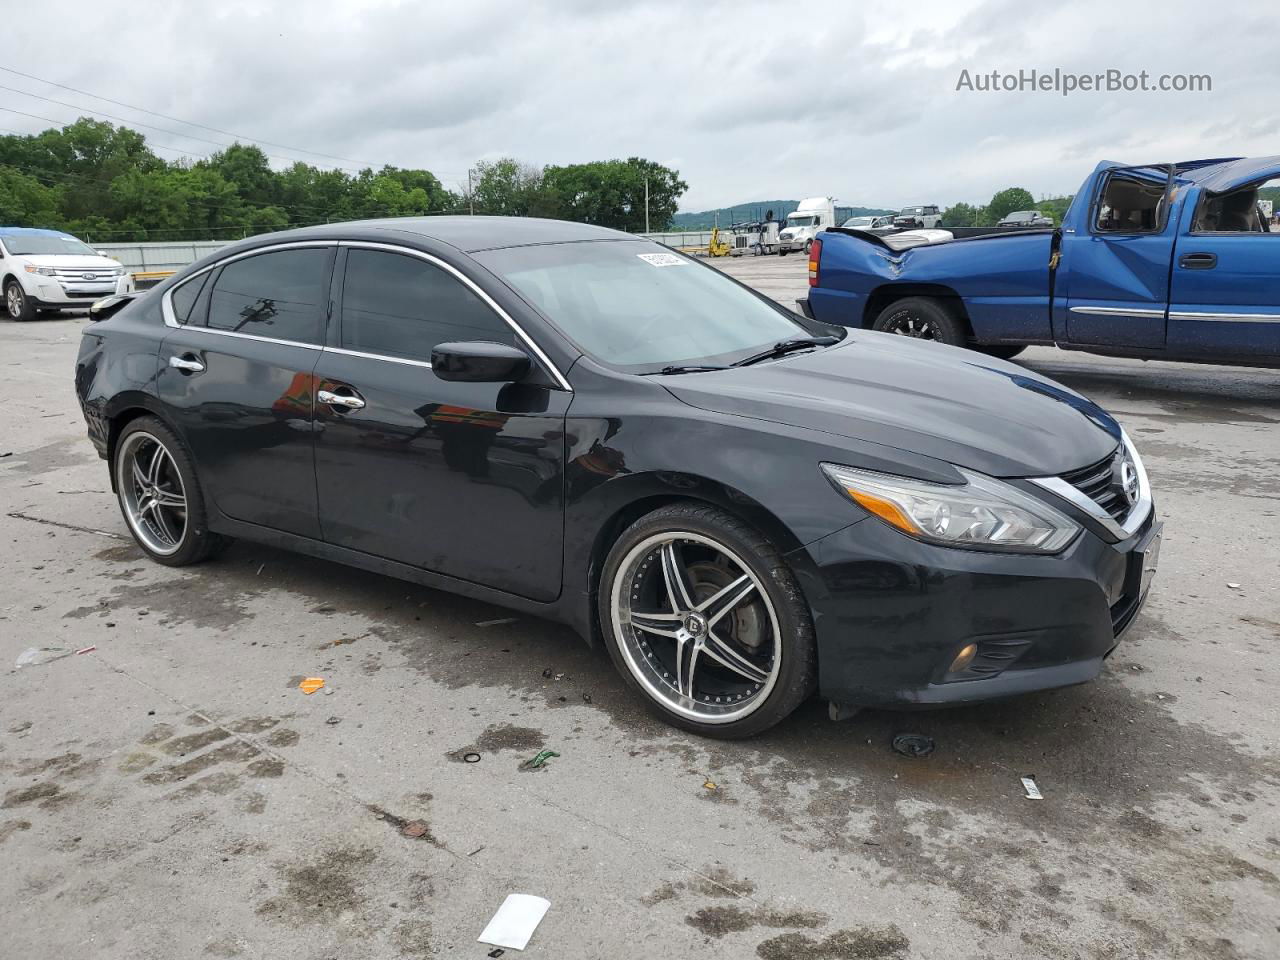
(611, 193)
(26, 201)
(1005, 202)
(505, 187)
(961, 215)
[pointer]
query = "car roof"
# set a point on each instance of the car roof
(1217, 174)
(468, 234)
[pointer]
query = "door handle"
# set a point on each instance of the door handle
(1198, 261)
(187, 364)
(346, 401)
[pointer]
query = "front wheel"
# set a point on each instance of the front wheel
(921, 318)
(160, 496)
(18, 305)
(704, 618)
(808, 246)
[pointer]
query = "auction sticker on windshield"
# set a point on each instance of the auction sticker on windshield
(662, 259)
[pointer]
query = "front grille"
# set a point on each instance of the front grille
(1098, 482)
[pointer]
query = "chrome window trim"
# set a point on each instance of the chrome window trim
(1138, 513)
(1225, 317)
(1117, 311)
(378, 356)
(171, 320)
(471, 285)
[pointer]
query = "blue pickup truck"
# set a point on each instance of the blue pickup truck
(1166, 261)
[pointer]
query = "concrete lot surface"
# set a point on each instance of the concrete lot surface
(173, 794)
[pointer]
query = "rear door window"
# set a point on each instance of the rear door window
(282, 295)
(397, 305)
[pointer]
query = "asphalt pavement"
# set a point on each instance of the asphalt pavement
(171, 792)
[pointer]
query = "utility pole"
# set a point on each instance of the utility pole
(471, 197)
(646, 204)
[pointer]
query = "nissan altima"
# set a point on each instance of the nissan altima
(745, 507)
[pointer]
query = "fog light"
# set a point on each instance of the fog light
(964, 658)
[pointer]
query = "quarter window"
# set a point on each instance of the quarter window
(184, 297)
(401, 306)
(281, 295)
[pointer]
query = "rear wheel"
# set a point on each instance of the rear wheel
(160, 496)
(17, 304)
(703, 616)
(921, 318)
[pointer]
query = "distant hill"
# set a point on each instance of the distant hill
(756, 210)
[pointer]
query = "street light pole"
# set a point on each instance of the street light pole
(646, 204)
(471, 197)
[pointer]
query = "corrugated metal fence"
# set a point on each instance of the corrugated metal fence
(167, 257)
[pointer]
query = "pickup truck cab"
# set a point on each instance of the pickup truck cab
(1167, 261)
(51, 270)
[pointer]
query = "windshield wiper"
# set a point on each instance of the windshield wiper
(783, 347)
(689, 368)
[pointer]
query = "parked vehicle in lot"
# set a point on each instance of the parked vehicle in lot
(1025, 220)
(882, 224)
(51, 270)
(744, 506)
(1170, 261)
(756, 237)
(925, 217)
(809, 219)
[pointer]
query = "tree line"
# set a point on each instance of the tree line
(1002, 204)
(103, 182)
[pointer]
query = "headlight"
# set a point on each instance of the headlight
(43, 271)
(980, 514)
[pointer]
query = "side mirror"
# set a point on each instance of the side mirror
(479, 361)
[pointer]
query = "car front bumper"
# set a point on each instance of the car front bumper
(891, 614)
(52, 293)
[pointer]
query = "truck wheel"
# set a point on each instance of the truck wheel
(782, 252)
(1001, 350)
(808, 245)
(922, 318)
(18, 305)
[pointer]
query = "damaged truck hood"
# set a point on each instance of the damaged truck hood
(950, 404)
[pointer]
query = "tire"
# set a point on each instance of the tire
(746, 636)
(1000, 350)
(922, 318)
(160, 495)
(17, 305)
(781, 252)
(808, 245)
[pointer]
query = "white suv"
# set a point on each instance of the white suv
(50, 270)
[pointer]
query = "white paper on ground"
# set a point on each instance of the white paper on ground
(515, 921)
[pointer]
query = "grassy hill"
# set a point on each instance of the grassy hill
(756, 210)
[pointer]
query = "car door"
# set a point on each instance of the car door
(236, 368)
(463, 479)
(1116, 272)
(1225, 297)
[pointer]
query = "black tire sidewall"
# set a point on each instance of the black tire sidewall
(797, 677)
(28, 311)
(198, 542)
(951, 330)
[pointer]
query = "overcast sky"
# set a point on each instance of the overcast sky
(748, 100)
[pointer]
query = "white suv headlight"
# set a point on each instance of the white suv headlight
(980, 514)
(43, 271)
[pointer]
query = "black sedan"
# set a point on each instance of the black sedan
(742, 505)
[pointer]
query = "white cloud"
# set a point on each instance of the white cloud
(758, 100)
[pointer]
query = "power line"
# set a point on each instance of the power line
(150, 126)
(189, 123)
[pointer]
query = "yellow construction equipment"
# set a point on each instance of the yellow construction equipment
(717, 247)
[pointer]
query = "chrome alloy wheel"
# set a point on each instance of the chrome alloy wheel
(14, 301)
(155, 501)
(696, 627)
(912, 326)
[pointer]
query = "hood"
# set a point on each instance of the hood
(953, 405)
(69, 261)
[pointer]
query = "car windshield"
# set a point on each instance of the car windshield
(859, 221)
(1020, 215)
(637, 306)
(43, 244)
(911, 210)
(794, 221)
